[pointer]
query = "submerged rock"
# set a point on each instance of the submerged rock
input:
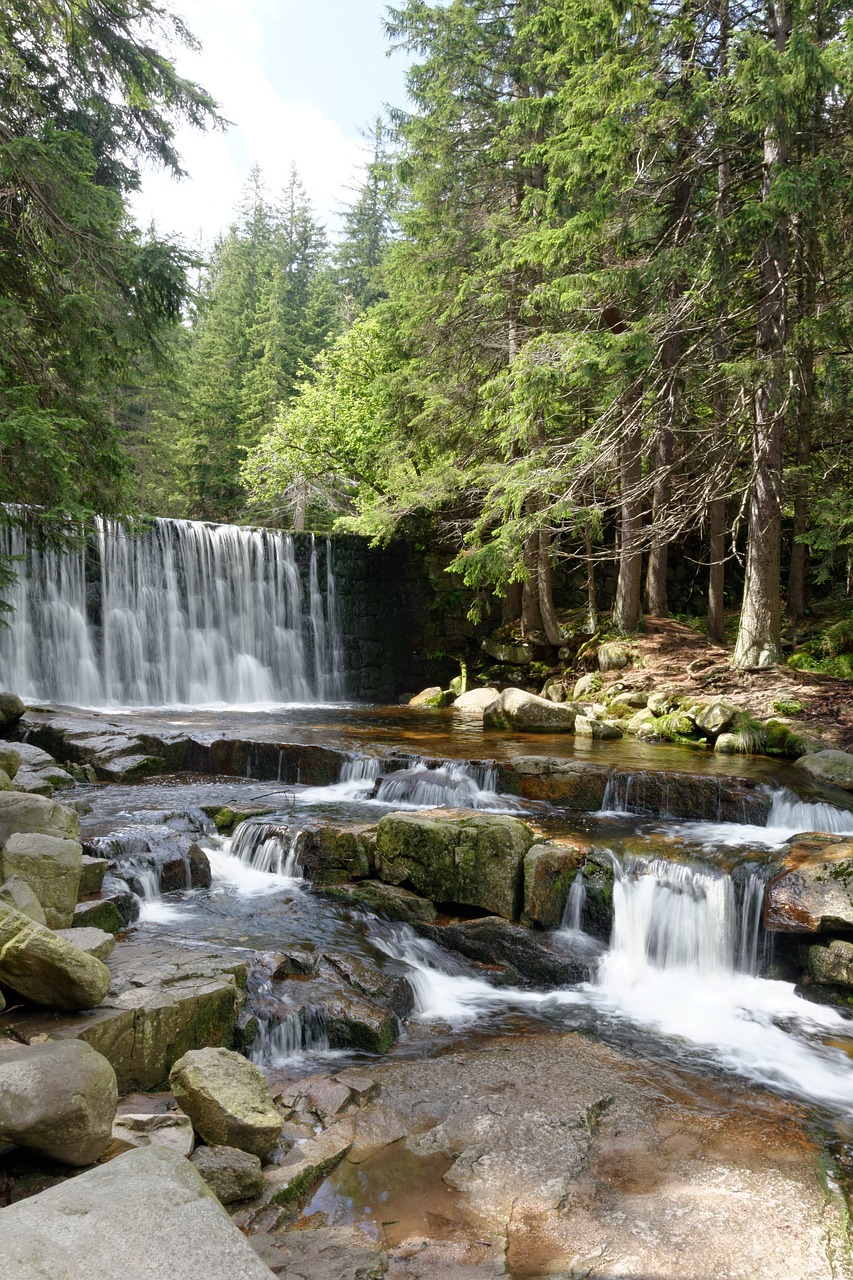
(527, 713)
(147, 1215)
(227, 1099)
(57, 1099)
(51, 867)
(231, 1174)
(46, 969)
(475, 860)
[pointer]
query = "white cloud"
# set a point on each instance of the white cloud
(267, 129)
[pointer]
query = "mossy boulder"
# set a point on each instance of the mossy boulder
(386, 900)
(42, 967)
(527, 713)
(832, 767)
(714, 717)
(51, 867)
(20, 812)
(549, 870)
(435, 696)
(10, 759)
(227, 1099)
(18, 894)
(11, 710)
(331, 855)
(473, 860)
(832, 964)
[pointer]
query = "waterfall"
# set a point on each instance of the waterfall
(267, 848)
(455, 784)
(573, 913)
(183, 613)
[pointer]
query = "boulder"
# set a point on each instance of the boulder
(45, 968)
(636, 722)
(832, 965)
(51, 867)
(57, 1098)
(92, 872)
(526, 713)
(147, 1215)
(5, 781)
(814, 894)
(329, 855)
(587, 685)
(517, 655)
(472, 704)
(590, 727)
(549, 870)
(435, 696)
(20, 812)
(614, 655)
(11, 710)
(169, 1129)
(18, 894)
(231, 1174)
(384, 986)
(111, 912)
(554, 689)
(10, 759)
(715, 717)
(386, 900)
(630, 700)
(728, 744)
(832, 767)
(227, 1099)
(474, 860)
(95, 942)
(660, 704)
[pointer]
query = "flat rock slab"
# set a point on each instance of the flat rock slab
(567, 1160)
(145, 1216)
(164, 1000)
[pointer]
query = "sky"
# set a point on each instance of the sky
(298, 79)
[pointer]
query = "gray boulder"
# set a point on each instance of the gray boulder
(473, 703)
(434, 696)
(21, 812)
(148, 1215)
(227, 1099)
(613, 656)
(51, 867)
(715, 717)
(11, 710)
(475, 860)
(18, 894)
(517, 655)
(832, 767)
(10, 759)
(92, 872)
(57, 1098)
(527, 713)
(832, 965)
(95, 942)
(590, 727)
(231, 1174)
(586, 686)
(46, 969)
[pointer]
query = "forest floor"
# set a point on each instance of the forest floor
(676, 657)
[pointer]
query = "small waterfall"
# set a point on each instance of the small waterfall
(183, 613)
(573, 914)
(453, 784)
(789, 813)
(268, 848)
(284, 1036)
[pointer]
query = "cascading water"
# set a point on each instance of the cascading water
(267, 848)
(184, 613)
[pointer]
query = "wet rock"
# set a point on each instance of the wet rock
(111, 912)
(51, 867)
(526, 713)
(137, 851)
(11, 710)
(44, 968)
(92, 872)
(472, 704)
(231, 1174)
(814, 894)
(590, 727)
(353, 1021)
(386, 900)
(95, 942)
(147, 1215)
(18, 894)
(532, 959)
(57, 1099)
(162, 1129)
(549, 870)
(830, 767)
(344, 1253)
(25, 813)
(832, 964)
(475, 860)
(304, 1165)
(573, 784)
(613, 656)
(380, 985)
(296, 961)
(329, 855)
(10, 759)
(227, 1099)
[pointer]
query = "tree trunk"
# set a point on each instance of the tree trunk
(796, 599)
(627, 607)
(759, 635)
(511, 603)
(301, 507)
(550, 624)
(716, 621)
(591, 601)
(531, 614)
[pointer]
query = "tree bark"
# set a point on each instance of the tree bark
(797, 600)
(591, 601)
(550, 625)
(531, 614)
(716, 620)
(627, 607)
(759, 635)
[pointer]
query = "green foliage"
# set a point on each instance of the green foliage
(750, 734)
(788, 706)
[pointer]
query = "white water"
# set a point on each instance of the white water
(187, 614)
(789, 816)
